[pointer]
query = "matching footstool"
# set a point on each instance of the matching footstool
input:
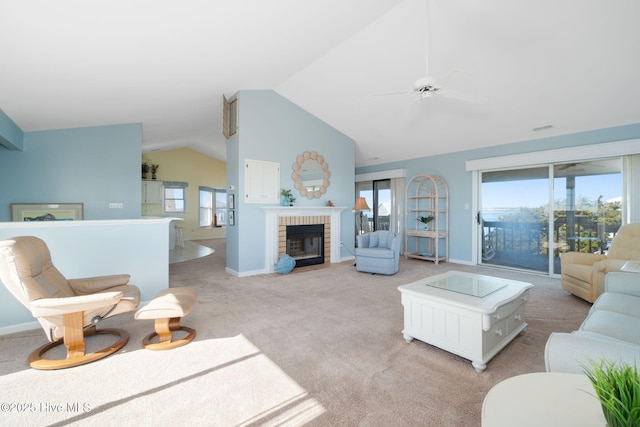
(166, 309)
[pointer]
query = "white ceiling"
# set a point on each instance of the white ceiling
(572, 64)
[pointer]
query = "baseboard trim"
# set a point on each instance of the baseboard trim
(20, 327)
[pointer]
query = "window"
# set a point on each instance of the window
(377, 193)
(213, 207)
(174, 199)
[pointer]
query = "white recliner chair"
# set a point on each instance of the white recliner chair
(68, 310)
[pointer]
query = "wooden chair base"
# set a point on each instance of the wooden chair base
(164, 330)
(76, 351)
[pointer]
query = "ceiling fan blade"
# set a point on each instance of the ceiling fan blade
(462, 96)
(421, 96)
(391, 93)
(445, 79)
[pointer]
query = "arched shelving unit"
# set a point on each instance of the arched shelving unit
(427, 195)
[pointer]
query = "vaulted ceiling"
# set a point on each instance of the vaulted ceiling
(564, 66)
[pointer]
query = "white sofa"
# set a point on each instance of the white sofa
(610, 331)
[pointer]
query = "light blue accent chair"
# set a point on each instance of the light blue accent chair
(378, 252)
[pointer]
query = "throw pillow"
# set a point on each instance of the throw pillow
(373, 240)
(383, 239)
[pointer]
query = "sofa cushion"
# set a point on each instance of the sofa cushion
(619, 303)
(614, 325)
(571, 352)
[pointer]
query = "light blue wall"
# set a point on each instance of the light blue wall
(233, 172)
(272, 128)
(452, 168)
(94, 165)
(10, 134)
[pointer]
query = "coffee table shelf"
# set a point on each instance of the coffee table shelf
(461, 322)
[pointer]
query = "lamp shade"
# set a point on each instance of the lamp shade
(361, 205)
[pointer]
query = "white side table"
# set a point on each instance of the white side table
(543, 399)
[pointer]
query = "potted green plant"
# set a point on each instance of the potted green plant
(286, 197)
(425, 220)
(154, 170)
(145, 170)
(617, 386)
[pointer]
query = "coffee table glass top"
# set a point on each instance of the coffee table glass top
(475, 286)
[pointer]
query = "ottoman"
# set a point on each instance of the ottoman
(167, 308)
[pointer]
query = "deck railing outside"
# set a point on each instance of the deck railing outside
(525, 244)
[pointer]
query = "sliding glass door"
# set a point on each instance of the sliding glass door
(514, 218)
(519, 230)
(587, 209)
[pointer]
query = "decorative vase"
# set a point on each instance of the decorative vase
(284, 200)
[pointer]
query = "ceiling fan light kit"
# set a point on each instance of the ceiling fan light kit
(424, 88)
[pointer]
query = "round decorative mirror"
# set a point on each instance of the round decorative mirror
(311, 175)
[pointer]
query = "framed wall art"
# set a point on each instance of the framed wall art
(47, 211)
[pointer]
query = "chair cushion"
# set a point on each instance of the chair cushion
(374, 253)
(384, 238)
(374, 239)
(170, 303)
(625, 245)
(28, 272)
(579, 271)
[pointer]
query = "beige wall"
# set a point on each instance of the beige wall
(195, 168)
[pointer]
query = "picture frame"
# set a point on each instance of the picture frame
(231, 201)
(23, 212)
(232, 218)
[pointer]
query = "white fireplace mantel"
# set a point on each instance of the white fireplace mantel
(272, 215)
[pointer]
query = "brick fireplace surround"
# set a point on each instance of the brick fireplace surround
(285, 221)
(278, 217)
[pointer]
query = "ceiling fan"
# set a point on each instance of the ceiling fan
(430, 86)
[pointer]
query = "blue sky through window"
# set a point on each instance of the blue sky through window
(533, 193)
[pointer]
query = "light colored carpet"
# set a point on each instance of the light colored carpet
(321, 347)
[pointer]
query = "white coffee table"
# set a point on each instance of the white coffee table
(543, 399)
(471, 315)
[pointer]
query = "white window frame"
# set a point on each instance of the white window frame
(165, 199)
(214, 206)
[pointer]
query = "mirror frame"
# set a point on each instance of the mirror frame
(297, 178)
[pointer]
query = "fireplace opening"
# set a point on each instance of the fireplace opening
(305, 244)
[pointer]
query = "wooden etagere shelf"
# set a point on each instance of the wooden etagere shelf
(427, 195)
